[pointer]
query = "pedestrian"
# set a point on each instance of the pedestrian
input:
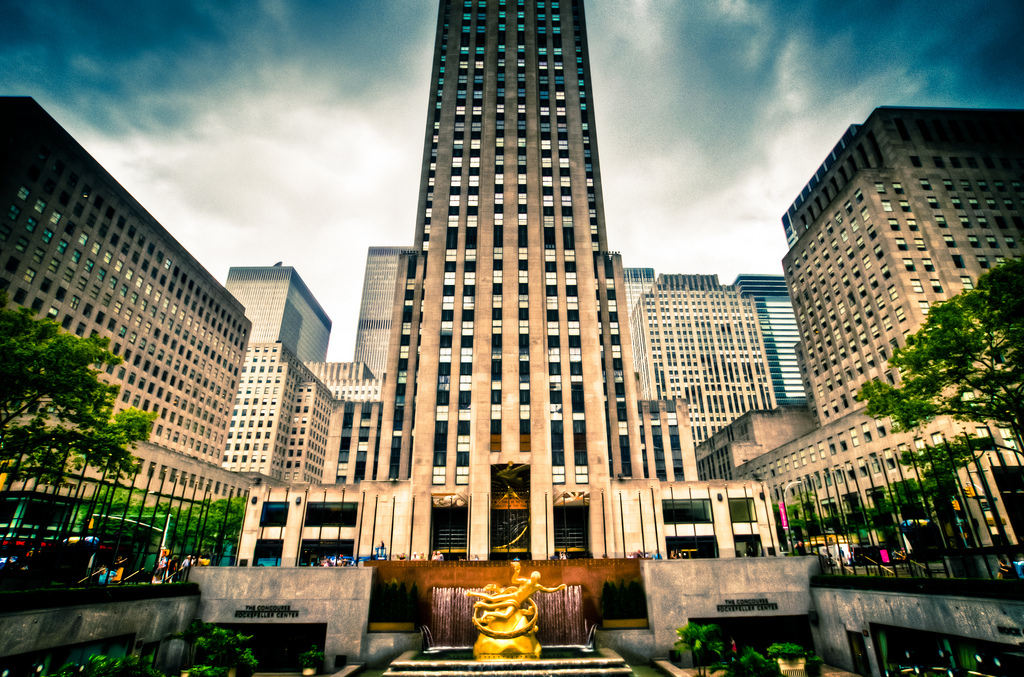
(172, 570)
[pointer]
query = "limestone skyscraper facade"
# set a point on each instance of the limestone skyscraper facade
(511, 422)
(378, 300)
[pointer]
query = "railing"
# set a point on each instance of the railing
(97, 532)
(986, 563)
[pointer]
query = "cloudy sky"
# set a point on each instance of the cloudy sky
(259, 131)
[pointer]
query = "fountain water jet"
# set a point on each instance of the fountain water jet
(451, 612)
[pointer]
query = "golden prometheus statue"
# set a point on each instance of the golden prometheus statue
(507, 618)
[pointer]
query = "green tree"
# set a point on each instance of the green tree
(964, 362)
(56, 415)
(704, 641)
(203, 531)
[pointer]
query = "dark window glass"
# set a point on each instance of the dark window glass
(274, 514)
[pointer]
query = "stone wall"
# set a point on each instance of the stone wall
(840, 611)
(678, 590)
(339, 597)
(149, 620)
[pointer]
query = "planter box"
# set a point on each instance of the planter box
(392, 627)
(792, 666)
(622, 623)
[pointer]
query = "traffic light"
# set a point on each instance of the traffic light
(969, 491)
(956, 505)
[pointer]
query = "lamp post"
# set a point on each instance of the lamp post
(785, 516)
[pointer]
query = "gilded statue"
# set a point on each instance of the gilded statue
(507, 618)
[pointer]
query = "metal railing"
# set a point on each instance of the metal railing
(987, 563)
(96, 532)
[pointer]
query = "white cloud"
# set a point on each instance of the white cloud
(283, 132)
(270, 178)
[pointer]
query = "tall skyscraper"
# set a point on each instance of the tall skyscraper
(510, 424)
(283, 309)
(524, 369)
(282, 412)
(378, 302)
(639, 281)
(79, 249)
(705, 345)
(908, 210)
(778, 329)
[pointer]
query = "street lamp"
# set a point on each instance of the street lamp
(785, 517)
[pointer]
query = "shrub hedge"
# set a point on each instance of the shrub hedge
(49, 598)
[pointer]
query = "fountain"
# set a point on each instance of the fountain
(506, 628)
(451, 625)
(507, 618)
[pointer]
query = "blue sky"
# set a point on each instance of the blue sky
(263, 131)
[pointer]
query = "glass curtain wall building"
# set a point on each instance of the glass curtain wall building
(282, 308)
(779, 333)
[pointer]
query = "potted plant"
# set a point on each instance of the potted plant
(311, 660)
(789, 656)
(813, 666)
(704, 641)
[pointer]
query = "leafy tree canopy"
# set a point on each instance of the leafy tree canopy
(965, 362)
(56, 415)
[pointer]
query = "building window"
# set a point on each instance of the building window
(687, 511)
(275, 514)
(742, 510)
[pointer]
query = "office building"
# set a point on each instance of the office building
(78, 249)
(779, 331)
(908, 210)
(524, 367)
(282, 412)
(638, 282)
(705, 345)
(280, 420)
(351, 381)
(510, 422)
(750, 436)
(283, 309)
(375, 308)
